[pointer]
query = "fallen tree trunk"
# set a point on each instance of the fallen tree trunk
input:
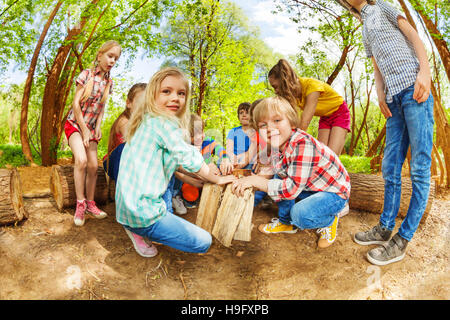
(62, 187)
(12, 208)
(367, 194)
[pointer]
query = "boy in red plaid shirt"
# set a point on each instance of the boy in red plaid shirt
(305, 170)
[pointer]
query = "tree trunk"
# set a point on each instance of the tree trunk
(11, 202)
(339, 66)
(28, 84)
(374, 147)
(440, 117)
(62, 187)
(439, 41)
(52, 107)
(367, 194)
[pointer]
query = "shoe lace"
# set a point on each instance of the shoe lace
(325, 232)
(275, 222)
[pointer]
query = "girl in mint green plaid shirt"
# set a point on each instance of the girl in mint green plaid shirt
(155, 148)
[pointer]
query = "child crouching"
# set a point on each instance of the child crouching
(308, 172)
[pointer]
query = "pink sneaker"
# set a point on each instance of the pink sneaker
(78, 218)
(94, 210)
(141, 247)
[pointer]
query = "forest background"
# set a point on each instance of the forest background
(218, 47)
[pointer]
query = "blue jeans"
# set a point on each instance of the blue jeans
(313, 210)
(173, 188)
(177, 233)
(411, 125)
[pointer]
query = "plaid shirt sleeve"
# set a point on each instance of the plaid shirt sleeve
(83, 77)
(182, 153)
(300, 160)
(366, 45)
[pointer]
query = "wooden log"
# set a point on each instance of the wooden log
(367, 194)
(245, 226)
(112, 190)
(62, 186)
(12, 208)
(229, 215)
(209, 203)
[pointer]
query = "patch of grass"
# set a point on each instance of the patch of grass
(356, 164)
(12, 155)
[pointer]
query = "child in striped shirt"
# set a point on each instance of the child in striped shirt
(308, 171)
(209, 148)
(155, 148)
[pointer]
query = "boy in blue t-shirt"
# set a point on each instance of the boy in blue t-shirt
(240, 149)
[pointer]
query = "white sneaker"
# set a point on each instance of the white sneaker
(178, 205)
(344, 211)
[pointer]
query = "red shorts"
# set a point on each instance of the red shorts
(69, 129)
(340, 118)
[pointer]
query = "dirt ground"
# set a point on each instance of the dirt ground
(48, 257)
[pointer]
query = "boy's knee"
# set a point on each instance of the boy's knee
(300, 219)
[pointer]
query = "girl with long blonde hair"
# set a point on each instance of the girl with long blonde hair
(156, 147)
(82, 127)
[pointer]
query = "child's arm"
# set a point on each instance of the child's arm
(189, 180)
(310, 108)
(226, 167)
(98, 124)
(423, 81)
(379, 83)
(85, 132)
(206, 174)
(238, 187)
(230, 150)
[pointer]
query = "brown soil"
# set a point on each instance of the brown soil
(48, 257)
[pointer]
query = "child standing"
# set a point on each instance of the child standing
(240, 149)
(308, 171)
(315, 98)
(82, 127)
(402, 77)
(155, 148)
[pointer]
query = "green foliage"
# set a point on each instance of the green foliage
(13, 156)
(356, 164)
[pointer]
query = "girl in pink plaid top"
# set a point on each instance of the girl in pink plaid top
(306, 170)
(82, 127)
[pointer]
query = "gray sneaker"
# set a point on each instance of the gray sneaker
(390, 252)
(376, 235)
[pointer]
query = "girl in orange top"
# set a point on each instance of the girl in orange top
(315, 98)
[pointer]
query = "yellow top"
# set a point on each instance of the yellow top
(329, 100)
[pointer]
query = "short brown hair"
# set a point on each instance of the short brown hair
(278, 105)
(243, 106)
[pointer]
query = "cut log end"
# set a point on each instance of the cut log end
(12, 207)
